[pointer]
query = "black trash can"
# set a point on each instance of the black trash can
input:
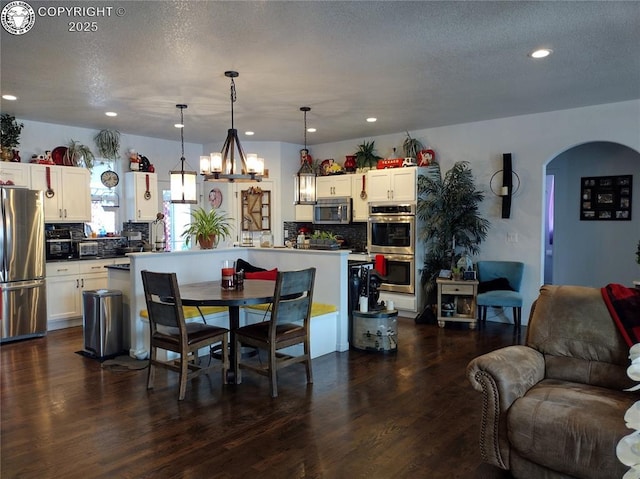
(102, 318)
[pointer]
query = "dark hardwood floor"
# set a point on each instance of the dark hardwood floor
(408, 415)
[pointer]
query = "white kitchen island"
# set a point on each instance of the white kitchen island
(331, 284)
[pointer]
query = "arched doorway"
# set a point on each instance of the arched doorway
(589, 253)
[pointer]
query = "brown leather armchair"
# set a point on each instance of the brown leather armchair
(554, 407)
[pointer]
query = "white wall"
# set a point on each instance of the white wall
(533, 140)
(593, 253)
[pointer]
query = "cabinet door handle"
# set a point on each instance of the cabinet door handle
(60, 213)
(77, 283)
(82, 282)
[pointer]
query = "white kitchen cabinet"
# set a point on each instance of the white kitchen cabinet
(66, 281)
(304, 212)
(392, 184)
(360, 205)
(141, 196)
(18, 173)
(71, 192)
(332, 186)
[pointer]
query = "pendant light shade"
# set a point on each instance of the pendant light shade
(305, 189)
(183, 183)
(231, 164)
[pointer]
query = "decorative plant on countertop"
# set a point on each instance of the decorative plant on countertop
(448, 207)
(208, 227)
(108, 143)
(77, 153)
(411, 147)
(365, 156)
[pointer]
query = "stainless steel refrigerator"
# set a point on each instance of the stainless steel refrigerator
(23, 305)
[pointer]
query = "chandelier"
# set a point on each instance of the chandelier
(223, 166)
(183, 183)
(305, 189)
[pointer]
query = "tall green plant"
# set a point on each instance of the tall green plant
(448, 208)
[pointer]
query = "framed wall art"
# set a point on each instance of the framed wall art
(606, 198)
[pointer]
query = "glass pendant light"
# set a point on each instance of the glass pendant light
(183, 183)
(305, 189)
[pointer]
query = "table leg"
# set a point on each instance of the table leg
(234, 323)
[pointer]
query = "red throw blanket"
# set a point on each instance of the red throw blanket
(624, 306)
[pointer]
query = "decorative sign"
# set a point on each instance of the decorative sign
(606, 198)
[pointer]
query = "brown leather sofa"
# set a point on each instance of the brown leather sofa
(554, 408)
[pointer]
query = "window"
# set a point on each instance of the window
(105, 202)
(176, 218)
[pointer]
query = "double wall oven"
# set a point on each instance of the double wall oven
(391, 238)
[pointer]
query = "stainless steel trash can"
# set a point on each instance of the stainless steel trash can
(102, 319)
(376, 331)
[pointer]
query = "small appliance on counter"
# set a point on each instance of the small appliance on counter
(87, 249)
(131, 243)
(58, 244)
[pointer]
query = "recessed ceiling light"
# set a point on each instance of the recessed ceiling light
(10, 97)
(541, 53)
(111, 113)
(372, 119)
(179, 125)
(311, 130)
(249, 133)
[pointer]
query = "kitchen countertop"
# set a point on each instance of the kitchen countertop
(123, 267)
(87, 258)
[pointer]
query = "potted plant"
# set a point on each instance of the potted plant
(365, 156)
(108, 143)
(448, 207)
(208, 227)
(78, 154)
(10, 135)
(324, 240)
(411, 147)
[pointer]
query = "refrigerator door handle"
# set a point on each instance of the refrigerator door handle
(22, 285)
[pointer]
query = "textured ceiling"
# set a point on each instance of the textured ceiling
(412, 65)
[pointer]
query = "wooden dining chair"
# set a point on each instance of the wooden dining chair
(288, 325)
(170, 331)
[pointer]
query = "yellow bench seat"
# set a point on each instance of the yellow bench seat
(192, 311)
(317, 309)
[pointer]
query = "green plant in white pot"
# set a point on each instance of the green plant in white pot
(78, 154)
(208, 228)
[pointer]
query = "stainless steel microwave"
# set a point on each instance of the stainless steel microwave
(332, 211)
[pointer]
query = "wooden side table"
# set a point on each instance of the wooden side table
(457, 301)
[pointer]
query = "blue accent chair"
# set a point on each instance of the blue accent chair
(492, 274)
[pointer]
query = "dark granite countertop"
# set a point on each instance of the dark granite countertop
(123, 267)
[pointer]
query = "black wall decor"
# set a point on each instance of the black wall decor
(507, 181)
(606, 198)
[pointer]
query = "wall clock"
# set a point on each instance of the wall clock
(215, 197)
(109, 178)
